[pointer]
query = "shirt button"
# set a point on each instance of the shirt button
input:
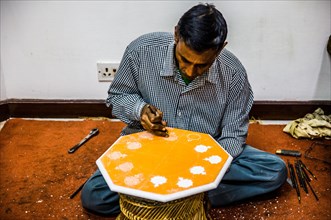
(179, 113)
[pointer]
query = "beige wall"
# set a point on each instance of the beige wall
(49, 49)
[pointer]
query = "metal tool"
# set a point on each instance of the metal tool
(78, 190)
(92, 133)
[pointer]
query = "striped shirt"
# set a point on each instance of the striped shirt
(217, 102)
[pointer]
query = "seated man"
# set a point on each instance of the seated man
(189, 81)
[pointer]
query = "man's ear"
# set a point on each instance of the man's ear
(176, 34)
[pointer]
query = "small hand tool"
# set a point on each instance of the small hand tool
(294, 179)
(293, 153)
(78, 190)
(92, 133)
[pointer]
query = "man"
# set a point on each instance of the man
(189, 81)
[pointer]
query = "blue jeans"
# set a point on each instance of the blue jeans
(253, 172)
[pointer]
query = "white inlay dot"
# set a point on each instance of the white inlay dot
(201, 148)
(116, 155)
(198, 170)
(214, 159)
(158, 180)
(184, 183)
(125, 167)
(133, 145)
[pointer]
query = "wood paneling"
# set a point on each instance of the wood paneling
(35, 108)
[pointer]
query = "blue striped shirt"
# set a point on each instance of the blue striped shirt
(217, 102)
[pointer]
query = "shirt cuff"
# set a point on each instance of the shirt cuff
(137, 109)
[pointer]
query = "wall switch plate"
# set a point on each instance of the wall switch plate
(107, 71)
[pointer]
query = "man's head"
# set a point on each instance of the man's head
(199, 35)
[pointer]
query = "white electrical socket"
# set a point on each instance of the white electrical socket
(107, 71)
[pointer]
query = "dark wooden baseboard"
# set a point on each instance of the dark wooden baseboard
(4, 111)
(287, 110)
(36, 108)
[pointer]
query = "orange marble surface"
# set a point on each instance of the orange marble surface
(186, 162)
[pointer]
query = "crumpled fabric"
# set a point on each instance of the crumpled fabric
(312, 125)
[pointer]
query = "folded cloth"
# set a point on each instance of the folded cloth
(312, 125)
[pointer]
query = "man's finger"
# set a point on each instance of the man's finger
(158, 127)
(155, 118)
(161, 133)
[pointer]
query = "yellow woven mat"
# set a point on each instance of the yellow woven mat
(133, 208)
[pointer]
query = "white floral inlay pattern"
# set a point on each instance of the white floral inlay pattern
(201, 148)
(133, 180)
(133, 145)
(198, 170)
(146, 135)
(172, 137)
(125, 167)
(214, 159)
(116, 155)
(158, 180)
(184, 183)
(193, 137)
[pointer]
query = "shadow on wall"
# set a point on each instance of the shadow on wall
(323, 84)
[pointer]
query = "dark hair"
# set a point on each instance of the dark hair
(202, 27)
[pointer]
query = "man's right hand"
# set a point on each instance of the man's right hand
(151, 120)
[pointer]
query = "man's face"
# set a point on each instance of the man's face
(191, 63)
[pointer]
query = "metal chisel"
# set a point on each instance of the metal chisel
(92, 133)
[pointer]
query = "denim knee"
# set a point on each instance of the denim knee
(283, 173)
(280, 172)
(96, 197)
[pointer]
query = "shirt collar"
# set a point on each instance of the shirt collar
(169, 67)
